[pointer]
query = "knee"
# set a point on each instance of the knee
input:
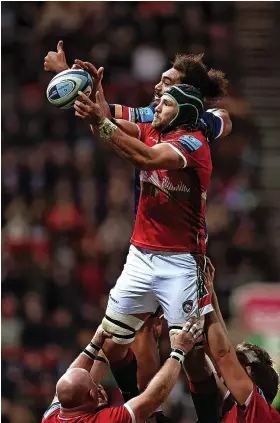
(122, 326)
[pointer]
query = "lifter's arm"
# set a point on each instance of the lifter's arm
(161, 385)
(85, 359)
(223, 352)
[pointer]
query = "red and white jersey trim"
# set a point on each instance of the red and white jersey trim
(132, 415)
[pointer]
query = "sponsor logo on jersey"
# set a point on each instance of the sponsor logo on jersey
(190, 142)
(145, 114)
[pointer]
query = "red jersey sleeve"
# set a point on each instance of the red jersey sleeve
(143, 131)
(122, 414)
(192, 150)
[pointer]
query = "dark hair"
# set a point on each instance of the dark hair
(212, 84)
(262, 372)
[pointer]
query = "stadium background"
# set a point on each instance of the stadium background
(67, 201)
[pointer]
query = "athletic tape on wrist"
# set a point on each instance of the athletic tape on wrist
(178, 355)
(91, 350)
(102, 359)
(106, 129)
(96, 347)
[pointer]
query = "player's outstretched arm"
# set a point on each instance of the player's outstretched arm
(161, 156)
(238, 382)
(161, 385)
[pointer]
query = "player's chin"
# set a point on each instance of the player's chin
(156, 124)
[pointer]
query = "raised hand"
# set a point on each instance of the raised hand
(182, 340)
(100, 336)
(85, 108)
(55, 61)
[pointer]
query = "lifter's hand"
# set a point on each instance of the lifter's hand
(86, 109)
(55, 61)
(183, 340)
(100, 336)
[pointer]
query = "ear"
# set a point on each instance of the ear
(248, 370)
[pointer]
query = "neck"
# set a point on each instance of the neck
(76, 411)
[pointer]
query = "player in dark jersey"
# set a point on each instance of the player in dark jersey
(251, 382)
(78, 398)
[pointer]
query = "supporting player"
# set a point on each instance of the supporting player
(251, 382)
(78, 397)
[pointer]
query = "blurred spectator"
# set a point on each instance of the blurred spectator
(67, 200)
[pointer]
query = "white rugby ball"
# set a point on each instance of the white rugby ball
(63, 89)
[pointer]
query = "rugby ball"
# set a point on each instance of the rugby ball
(63, 89)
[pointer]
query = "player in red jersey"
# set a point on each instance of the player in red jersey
(78, 397)
(251, 382)
(165, 262)
(188, 69)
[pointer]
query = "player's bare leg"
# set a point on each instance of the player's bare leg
(145, 347)
(122, 359)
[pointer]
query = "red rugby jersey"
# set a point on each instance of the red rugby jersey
(122, 414)
(256, 410)
(171, 209)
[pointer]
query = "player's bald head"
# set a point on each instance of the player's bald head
(76, 388)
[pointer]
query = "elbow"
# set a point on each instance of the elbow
(221, 352)
(228, 126)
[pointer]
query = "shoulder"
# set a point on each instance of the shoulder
(256, 406)
(191, 141)
(214, 123)
(146, 130)
(52, 411)
(122, 414)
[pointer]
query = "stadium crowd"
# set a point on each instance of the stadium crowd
(67, 201)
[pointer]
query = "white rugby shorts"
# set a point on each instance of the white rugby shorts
(173, 280)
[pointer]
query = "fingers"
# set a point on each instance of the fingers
(60, 46)
(100, 74)
(79, 115)
(75, 66)
(80, 63)
(85, 98)
(91, 69)
(98, 97)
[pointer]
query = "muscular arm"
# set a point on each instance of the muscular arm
(157, 391)
(127, 127)
(222, 351)
(161, 156)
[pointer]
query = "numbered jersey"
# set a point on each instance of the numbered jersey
(171, 211)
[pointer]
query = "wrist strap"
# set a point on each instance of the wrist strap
(102, 359)
(178, 355)
(106, 129)
(91, 350)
